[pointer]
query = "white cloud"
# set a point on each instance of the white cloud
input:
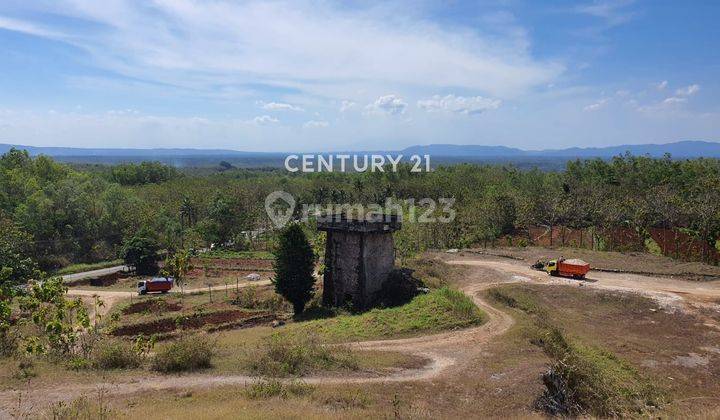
(388, 104)
(662, 85)
(670, 104)
(613, 12)
(347, 105)
(279, 106)
(674, 100)
(264, 120)
(459, 104)
(688, 90)
(597, 105)
(28, 28)
(316, 124)
(315, 47)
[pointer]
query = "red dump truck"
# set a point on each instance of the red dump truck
(575, 268)
(157, 284)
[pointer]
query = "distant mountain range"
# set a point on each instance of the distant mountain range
(450, 153)
(681, 149)
(152, 153)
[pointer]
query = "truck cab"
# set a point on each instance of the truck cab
(575, 268)
(552, 267)
(142, 287)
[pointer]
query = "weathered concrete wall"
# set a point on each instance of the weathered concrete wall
(344, 266)
(378, 259)
(356, 265)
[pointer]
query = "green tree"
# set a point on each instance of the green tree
(294, 266)
(141, 253)
(16, 266)
(177, 266)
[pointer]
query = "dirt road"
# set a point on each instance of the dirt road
(94, 273)
(113, 297)
(448, 353)
(667, 291)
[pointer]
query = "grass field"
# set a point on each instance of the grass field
(441, 309)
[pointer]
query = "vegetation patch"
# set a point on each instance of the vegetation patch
(283, 355)
(186, 354)
(272, 388)
(433, 272)
(441, 309)
(583, 379)
(115, 354)
(189, 321)
(151, 305)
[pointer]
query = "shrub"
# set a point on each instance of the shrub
(268, 388)
(283, 354)
(399, 288)
(186, 354)
(115, 354)
(85, 407)
(594, 380)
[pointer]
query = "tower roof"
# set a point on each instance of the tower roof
(370, 222)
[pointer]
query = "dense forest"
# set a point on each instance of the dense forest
(59, 214)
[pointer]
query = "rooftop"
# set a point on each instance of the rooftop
(370, 222)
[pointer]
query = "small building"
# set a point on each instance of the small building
(359, 256)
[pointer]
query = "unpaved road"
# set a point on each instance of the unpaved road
(666, 290)
(113, 297)
(448, 353)
(94, 273)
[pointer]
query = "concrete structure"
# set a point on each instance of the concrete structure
(359, 255)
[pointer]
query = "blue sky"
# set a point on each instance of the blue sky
(308, 75)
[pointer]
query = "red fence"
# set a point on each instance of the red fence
(672, 242)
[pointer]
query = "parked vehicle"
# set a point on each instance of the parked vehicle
(156, 284)
(575, 268)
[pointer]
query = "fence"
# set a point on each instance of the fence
(671, 242)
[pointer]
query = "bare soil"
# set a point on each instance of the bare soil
(626, 262)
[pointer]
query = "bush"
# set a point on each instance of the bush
(592, 380)
(186, 354)
(399, 288)
(115, 354)
(283, 355)
(273, 388)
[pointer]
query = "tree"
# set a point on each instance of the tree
(177, 267)
(141, 253)
(16, 266)
(294, 266)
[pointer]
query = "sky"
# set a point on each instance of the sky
(327, 75)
